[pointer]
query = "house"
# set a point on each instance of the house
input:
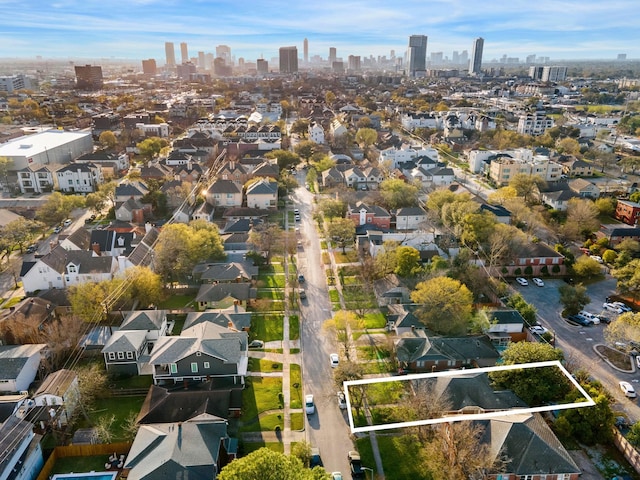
(617, 235)
(80, 239)
(79, 178)
(32, 312)
(59, 391)
(262, 194)
(535, 259)
(234, 272)
(410, 218)
(127, 190)
(402, 319)
(132, 210)
(316, 133)
(362, 214)
(20, 451)
(224, 193)
(112, 243)
(557, 196)
(234, 318)
(153, 322)
(37, 178)
(332, 177)
(142, 254)
(224, 295)
(266, 170)
(233, 171)
(573, 167)
(63, 268)
(627, 212)
(389, 290)
(19, 366)
(201, 352)
(584, 188)
(195, 449)
(505, 326)
(501, 214)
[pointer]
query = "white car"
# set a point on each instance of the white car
(342, 401)
(522, 281)
(627, 389)
(336, 476)
(333, 358)
(309, 406)
(594, 318)
(597, 258)
(67, 222)
(624, 307)
(538, 330)
(538, 282)
(612, 307)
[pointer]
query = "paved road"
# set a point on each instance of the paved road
(578, 342)
(327, 429)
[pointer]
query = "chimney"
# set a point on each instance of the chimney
(230, 323)
(95, 246)
(147, 227)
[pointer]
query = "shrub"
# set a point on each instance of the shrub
(518, 271)
(544, 270)
(555, 269)
(528, 270)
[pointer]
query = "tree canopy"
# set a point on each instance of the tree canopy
(624, 330)
(151, 147)
(342, 231)
(284, 158)
(267, 464)
(397, 193)
(58, 207)
(573, 298)
(445, 305)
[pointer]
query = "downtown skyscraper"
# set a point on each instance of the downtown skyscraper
(288, 59)
(417, 55)
(475, 65)
(170, 54)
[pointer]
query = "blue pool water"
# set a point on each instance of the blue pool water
(86, 476)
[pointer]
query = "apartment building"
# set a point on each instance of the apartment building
(503, 169)
(534, 124)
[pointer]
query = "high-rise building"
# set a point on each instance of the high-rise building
(88, 77)
(184, 53)
(224, 52)
(475, 66)
(288, 59)
(332, 55)
(12, 83)
(354, 63)
(201, 60)
(262, 66)
(455, 58)
(531, 58)
(554, 74)
(417, 55)
(306, 51)
(149, 67)
(437, 58)
(170, 54)
(185, 70)
(464, 58)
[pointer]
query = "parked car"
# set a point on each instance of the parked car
(623, 306)
(301, 278)
(302, 293)
(627, 389)
(334, 359)
(296, 211)
(315, 460)
(612, 307)
(309, 406)
(67, 222)
(355, 464)
(256, 344)
(58, 229)
(522, 281)
(597, 258)
(336, 476)
(580, 320)
(538, 282)
(342, 401)
(538, 330)
(594, 318)
(32, 248)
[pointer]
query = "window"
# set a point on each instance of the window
(173, 368)
(112, 355)
(194, 367)
(206, 365)
(120, 355)
(129, 355)
(526, 477)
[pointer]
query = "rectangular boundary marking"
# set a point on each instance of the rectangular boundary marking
(458, 418)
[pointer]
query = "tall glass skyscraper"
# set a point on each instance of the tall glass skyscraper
(475, 65)
(417, 55)
(170, 54)
(288, 59)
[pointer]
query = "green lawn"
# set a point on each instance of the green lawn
(336, 306)
(349, 257)
(351, 280)
(266, 327)
(261, 394)
(394, 451)
(121, 408)
(294, 327)
(295, 377)
(273, 268)
(373, 353)
(262, 365)
(271, 293)
(297, 421)
(325, 258)
(137, 381)
(12, 301)
(374, 320)
(93, 463)
(334, 296)
(175, 301)
(268, 423)
(272, 281)
(248, 447)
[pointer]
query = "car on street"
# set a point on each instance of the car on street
(522, 281)
(296, 211)
(334, 359)
(579, 320)
(594, 318)
(302, 294)
(623, 306)
(67, 222)
(342, 401)
(627, 389)
(256, 344)
(538, 282)
(315, 460)
(355, 464)
(58, 229)
(309, 406)
(297, 217)
(612, 307)
(336, 476)
(32, 248)
(300, 278)
(538, 330)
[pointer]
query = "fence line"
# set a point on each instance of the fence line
(82, 451)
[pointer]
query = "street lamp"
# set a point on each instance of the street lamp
(367, 468)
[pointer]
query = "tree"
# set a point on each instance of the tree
(267, 464)
(19, 232)
(624, 330)
(322, 162)
(502, 194)
(268, 238)
(150, 147)
(408, 262)
(306, 149)
(609, 256)
(445, 305)
(528, 311)
(329, 98)
(58, 207)
(568, 146)
(145, 287)
(628, 277)
(397, 193)
(332, 208)
(583, 214)
(339, 325)
(366, 137)
(586, 267)
(284, 158)
(300, 127)
(342, 231)
(92, 301)
(536, 386)
(633, 435)
(5, 167)
(573, 298)
(439, 198)
(606, 206)
(594, 424)
(92, 384)
(526, 185)
(108, 140)
(386, 260)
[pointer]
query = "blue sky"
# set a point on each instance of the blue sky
(136, 29)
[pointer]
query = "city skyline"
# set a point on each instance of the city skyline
(138, 29)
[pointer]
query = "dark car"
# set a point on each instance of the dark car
(355, 464)
(315, 460)
(32, 248)
(580, 320)
(301, 278)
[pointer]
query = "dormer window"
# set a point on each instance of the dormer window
(72, 269)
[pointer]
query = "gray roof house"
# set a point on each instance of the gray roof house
(234, 318)
(224, 295)
(225, 272)
(19, 366)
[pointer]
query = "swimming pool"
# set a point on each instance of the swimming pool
(86, 476)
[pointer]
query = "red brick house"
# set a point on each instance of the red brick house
(363, 214)
(627, 212)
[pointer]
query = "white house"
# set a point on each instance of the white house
(262, 194)
(19, 366)
(37, 178)
(316, 133)
(59, 390)
(410, 218)
(395, 156)
(79, 178)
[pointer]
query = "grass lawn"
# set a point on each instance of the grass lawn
(262, 365)
(349, 257)
(271, 293)
(121, 408)
(394, 451)
(372, 353)
(334, 296)
(248, 447)
(297, 421)
(351, 280)
(295, 378)
(323, 244)
(261, 394)
(350, 270)
(268, 423)
(336, 306)
(266, 327)
(272, 281)
(374, 368)
(80, 464)
(273, 268)
(325, 258)
(294, 350)
(277, 306)
(294, 327)
(374, 320)
(12, 301)
(175, 301)
(137, 381)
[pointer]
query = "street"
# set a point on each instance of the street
(578, 342)
(327, 429)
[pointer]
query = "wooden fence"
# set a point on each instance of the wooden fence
(629, 451)
(82, 451)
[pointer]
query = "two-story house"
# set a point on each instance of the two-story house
(224, 193)
(262, 194)
(79, 178)
(362, 214)
(627, 212)
(410, 218)
(38, 179)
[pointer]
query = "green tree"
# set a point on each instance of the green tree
(322, 162)
(329, 98)
(58, 207)
(526, 185)
(108, 140)
(397, 193)
(300, 127)
(583, 215)
(437, 200)
(606, 206)
(624, 330)
(502, 194)
(306, 149)
(528, 311)
(628, 277)
(92, 302)
(408, 262)
(573, 298)
(445, 305)
(586, 267)
(568, 146)
(633, 435)
(366, 137)
(332, 208)
(268, 238)
(284, 158)
(342, 322)
(593, 424)
(609, 256)
(342, 231)
(150, 147)
(267, 464)
(18, 233)
(145, 286)
(536, 386)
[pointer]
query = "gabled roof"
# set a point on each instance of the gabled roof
(411, 211)
(241, 225)
(137, 189)
(125, 341)
(12, 433)
(131, 205)
(263, 187)
(220, 291)
(57, 383)
(13, 358)
(267, 169)
(497, 210)
(224, 186)
(81, 238)
(377, 211)
(59, 258)
(226, 272)
(107, 240)
(212, 340)
(225, 318)
(144, 320)
(142, 254)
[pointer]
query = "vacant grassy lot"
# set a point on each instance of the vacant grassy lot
(267, 423)
(374, 320)
(266, 327)
(271, 269)
(294, 327)
(373, 353)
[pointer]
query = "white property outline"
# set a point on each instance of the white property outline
(468, 416)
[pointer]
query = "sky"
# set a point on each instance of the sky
(138, 29)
